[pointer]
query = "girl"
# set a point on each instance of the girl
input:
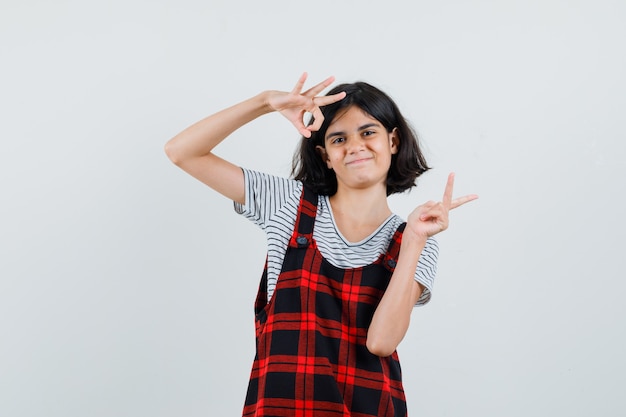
(343, 273)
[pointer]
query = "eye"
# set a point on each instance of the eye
(368, 132)
(337, 139)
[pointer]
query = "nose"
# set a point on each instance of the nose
(354, 143)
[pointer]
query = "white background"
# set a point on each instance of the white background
(126, 286)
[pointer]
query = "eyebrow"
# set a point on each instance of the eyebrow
(341, 133)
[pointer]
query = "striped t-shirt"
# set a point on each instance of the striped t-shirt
(272, 203)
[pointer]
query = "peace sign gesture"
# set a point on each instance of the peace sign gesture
(295, 104)
(432, 217)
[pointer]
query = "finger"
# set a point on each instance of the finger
(434, 212)
(316, 89)
(462, 200)
(299, 124)
(304, 131)
(326, 100)
(436, 218)
(447, 194)
(318, 118)
(428, 205)
(300, 83)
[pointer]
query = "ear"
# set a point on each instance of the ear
(322, 153)
(394, 139)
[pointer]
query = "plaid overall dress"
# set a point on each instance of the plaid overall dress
(311, 359)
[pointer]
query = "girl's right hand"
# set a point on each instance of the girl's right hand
(295, 104)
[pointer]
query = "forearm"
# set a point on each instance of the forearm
(192, 148)
(202, 137)
(392, 316)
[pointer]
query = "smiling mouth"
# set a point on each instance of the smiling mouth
(358, 161)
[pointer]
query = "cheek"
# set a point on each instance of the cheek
(334, 156)
(330, 160)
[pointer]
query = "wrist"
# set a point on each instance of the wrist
(412, 244)
(254, 107)
(411, 237)
(265, 98)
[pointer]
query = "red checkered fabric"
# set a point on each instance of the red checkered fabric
(311, 358)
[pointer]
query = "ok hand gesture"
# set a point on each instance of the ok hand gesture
(295, 104)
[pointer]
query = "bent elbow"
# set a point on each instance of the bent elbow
(170, 151)
(379, 347)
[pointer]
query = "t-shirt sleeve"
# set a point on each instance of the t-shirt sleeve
(427, 269)
(265, 195)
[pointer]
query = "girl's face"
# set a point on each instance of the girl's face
(358, 148)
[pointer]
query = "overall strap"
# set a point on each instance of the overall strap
(305, 220)
(390, 259)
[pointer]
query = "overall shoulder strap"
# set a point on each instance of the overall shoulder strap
(305, 220)
(390, 259)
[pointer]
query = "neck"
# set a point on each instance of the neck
(359, 212)
(361, 205)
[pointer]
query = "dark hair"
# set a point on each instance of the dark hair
(406, 165)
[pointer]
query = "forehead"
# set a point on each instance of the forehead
(349, 116)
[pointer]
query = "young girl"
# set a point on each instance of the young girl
(343, 273)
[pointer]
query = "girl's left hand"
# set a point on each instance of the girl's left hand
(432, 217)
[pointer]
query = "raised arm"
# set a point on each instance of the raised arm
(192, 149)
(392, 316)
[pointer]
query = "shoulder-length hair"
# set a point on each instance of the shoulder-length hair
(406, 165)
